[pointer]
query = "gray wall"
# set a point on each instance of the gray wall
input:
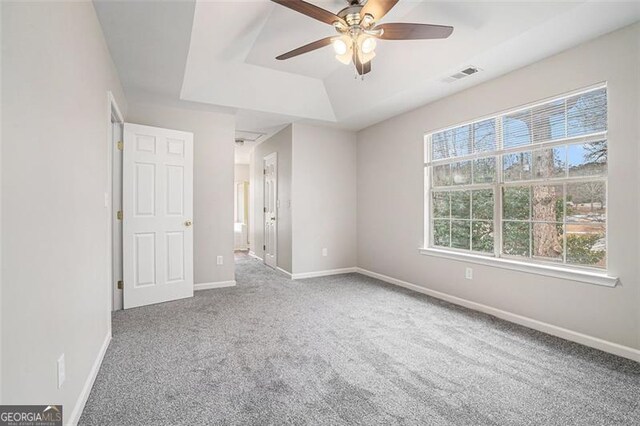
(56, 71)
(281, 143)
(390, 194)
(324, 198)
(213, 174)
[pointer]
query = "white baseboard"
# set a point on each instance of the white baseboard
(287, 273)
(252, 254)
(241, 248)
(217, 284)
(74, 417)
(574, 336)
(303, 275)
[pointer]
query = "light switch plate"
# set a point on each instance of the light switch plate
(468, 273)
(219, 260)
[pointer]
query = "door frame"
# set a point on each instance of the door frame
(264, 199)
(113, 116)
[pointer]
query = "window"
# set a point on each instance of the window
(529, 184)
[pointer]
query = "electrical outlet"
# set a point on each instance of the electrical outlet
(219, 260)
(468, 273)
(61, 371)
(324, 252)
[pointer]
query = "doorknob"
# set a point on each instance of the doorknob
(188, 223)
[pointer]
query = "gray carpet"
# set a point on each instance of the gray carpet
(346, 349)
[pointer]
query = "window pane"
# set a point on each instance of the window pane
(482, 236)
(460, 204)
(461, 173)
(462, 140)
(516, 203)
(587, 113)
(441, 233)
(451, 143)
(517, 129)
(589, 159)
(484, 170)
(461, 234)
(548, 240)
(549, 163)
(547, 203)
(586, 244)
(515, 238)
(441, 145)
(586, 202)
(441, 204)
(483, 204)
(442, 175)
(484, 136)
(549, 122)
(517, 166)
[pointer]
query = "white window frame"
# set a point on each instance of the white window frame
(585, 274)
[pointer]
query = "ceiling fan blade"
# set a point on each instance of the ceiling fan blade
(402, 31)
(377, 8)
(361, 68)
(311, 11)
(306, 48)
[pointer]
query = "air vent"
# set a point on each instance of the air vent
(462, 74)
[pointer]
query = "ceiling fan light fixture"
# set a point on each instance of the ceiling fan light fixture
(367, 44)
(345, 58)
(366, 57)
(340, 46)
(367, 20)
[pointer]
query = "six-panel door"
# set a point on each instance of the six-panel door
(158, 211)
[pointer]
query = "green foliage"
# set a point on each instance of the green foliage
(516, 202)
(460, 234)
(460, 204)
(482, 236)
(441, 233)
(515, 238)
(483, 204)
(579, 249)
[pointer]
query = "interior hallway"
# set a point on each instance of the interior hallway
(346, 349)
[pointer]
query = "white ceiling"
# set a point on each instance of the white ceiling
(220, 54)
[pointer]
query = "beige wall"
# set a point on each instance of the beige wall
(56, 71)
(390, 194)
(324, 198)
(281, 143)
(213, 175)
(241, 173)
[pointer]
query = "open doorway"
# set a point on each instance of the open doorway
(241, 207)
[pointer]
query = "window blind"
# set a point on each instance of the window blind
(572, 116)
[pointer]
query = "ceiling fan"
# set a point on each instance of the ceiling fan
(358, 29)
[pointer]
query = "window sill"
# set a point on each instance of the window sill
(589, 277)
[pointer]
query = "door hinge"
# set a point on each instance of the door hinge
(264, 171)
(119, 215)
(120, 285)
(264, 247)
(264, 209)
(120, 145)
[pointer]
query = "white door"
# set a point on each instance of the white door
(116, 225)
(271, 209)
(157, 200)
